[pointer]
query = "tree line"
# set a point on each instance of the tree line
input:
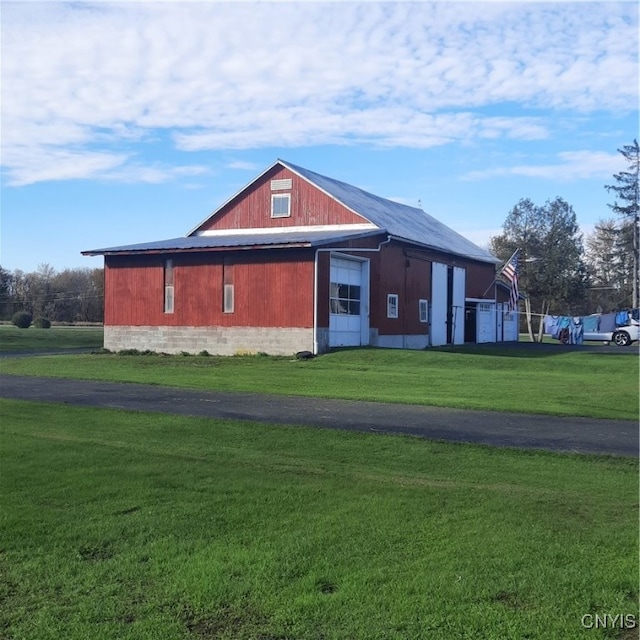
(561, 272)
(68, 296)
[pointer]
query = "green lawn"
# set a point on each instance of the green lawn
(526, 380)
(135, 526)
(13, 339)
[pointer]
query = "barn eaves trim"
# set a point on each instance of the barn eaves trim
(277, 239)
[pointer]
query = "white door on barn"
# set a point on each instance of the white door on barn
(485, 322)
(499, 316)
(438, 304)
(457, 306)
(447, 306)
(510, 325)
(348, 300)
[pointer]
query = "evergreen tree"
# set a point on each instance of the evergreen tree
(626, 204)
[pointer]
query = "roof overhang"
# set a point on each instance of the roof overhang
(280, 239)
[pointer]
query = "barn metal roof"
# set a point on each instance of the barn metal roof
(276, 239)
(399, 220)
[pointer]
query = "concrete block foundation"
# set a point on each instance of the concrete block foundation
(224, 341)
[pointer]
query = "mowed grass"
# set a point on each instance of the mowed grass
(127, 525)
(13, 339)
(527, 379)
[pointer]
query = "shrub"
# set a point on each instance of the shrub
(22, 319)
(42, 323)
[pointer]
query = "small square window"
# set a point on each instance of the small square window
(392, 305)
(281, 205)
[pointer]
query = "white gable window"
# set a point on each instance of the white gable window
(423, 310)
(280, 205)
(392, 305)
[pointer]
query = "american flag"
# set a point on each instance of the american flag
(511, 271)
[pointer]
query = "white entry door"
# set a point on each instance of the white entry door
(486, 323)
(348, 292)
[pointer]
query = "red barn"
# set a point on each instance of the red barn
(297, 261)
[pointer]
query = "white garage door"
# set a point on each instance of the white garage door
(347, 303)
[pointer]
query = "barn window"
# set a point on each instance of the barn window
(168, 286)
(345, 299)
(392, 305)
(228, 298)
(280, 205)
(228, 290)
(423, 310)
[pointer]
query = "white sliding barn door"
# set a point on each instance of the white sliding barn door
(438, 304)
(457, 306)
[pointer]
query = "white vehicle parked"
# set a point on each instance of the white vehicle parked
(622, 336)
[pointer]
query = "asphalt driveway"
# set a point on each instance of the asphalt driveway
(561, 434)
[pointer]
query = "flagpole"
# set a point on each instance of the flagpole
(504, 266)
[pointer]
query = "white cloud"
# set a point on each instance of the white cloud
(571, 165)
(243, 166)
(81, 78)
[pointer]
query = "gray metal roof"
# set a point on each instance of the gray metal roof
(249, 240)
(399, 220)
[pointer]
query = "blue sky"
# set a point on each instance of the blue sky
(130, 122)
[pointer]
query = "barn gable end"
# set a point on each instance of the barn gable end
(253, 206)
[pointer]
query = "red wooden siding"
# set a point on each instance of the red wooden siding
(252, 208)
(272, 289)
(480, 280)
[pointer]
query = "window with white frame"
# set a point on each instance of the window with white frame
(228, 289)
(423, 310)
(392, 305)
(344, 299)
(168, 287)
(229, 295)
(280, 205)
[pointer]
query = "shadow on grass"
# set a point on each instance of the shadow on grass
(517, 349)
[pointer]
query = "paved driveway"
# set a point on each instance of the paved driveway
(581, 435)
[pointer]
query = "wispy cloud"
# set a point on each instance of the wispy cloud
(79, 79)
(570, 165)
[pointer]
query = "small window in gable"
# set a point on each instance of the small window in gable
(280, 205)
(392, 305)
(423, 310)
(280, 185)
